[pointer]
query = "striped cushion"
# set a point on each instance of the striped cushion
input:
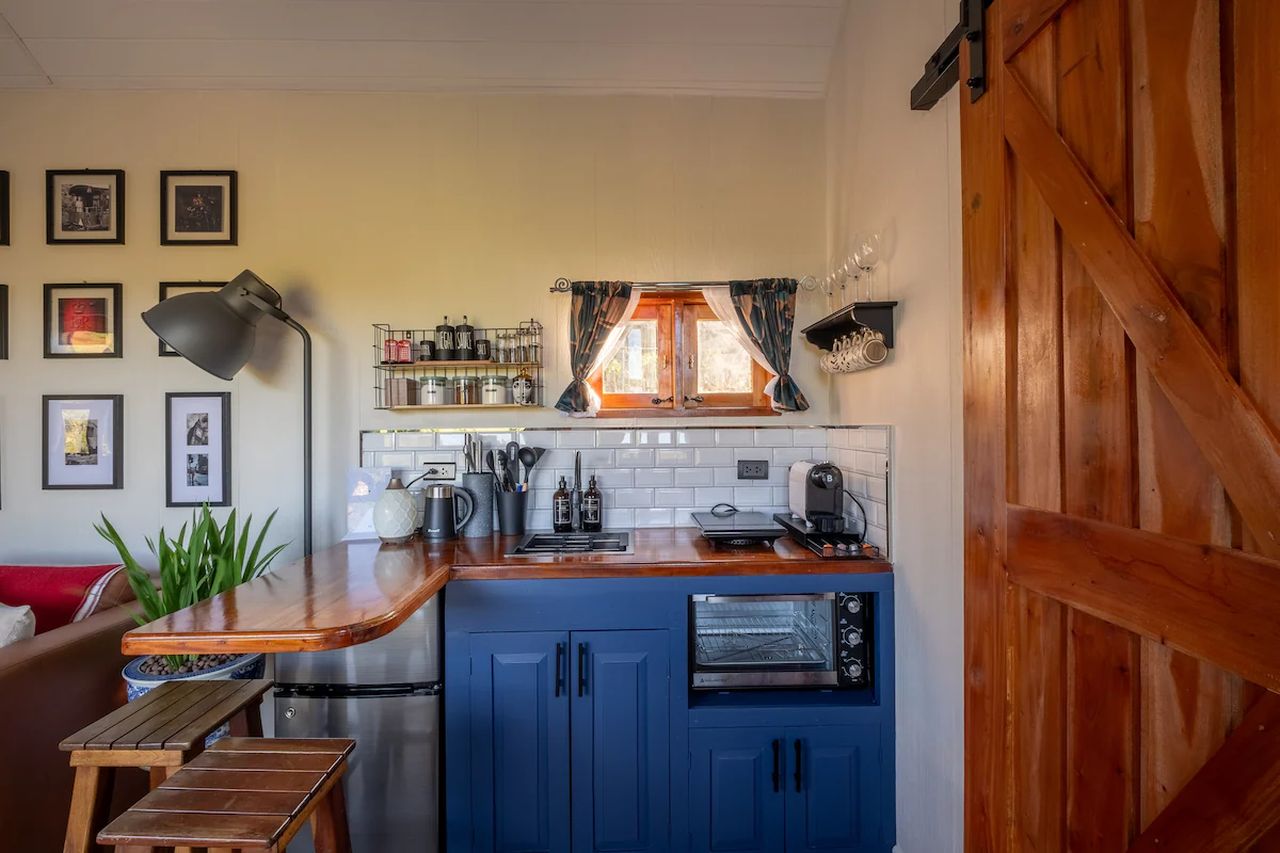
(60, 595)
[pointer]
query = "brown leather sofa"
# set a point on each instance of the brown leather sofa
(51, 686)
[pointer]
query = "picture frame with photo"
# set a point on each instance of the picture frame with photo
(84, 206)
(83, 441)
(4, 208)
(197, 449)
(83, 321)
(177, 288)
(198, 208)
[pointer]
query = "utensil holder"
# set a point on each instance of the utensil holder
(481, 487)
(511, 512)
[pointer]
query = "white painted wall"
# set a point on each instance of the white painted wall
(895, 170)
(367, 208)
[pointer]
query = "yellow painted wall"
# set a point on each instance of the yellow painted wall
(368, 208)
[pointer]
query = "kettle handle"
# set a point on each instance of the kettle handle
(469, 507)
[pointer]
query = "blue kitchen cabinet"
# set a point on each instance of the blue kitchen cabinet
(570, 744)
(796, 789)
(621, 742)
(519, 706)
(737, 790)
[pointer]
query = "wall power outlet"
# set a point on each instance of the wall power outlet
(440, 471)
(753, 469)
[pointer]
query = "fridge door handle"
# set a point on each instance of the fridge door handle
(559, 669)
(582, 669)
(799, 771)
(777, 765)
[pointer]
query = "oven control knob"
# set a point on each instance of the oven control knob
(853, 604)
(852, 637)
(854, 670)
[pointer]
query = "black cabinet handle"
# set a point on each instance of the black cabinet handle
(559, 668)
(658, 401)
(777, 765)
(582, 669)
(696, 398)
(799, 773)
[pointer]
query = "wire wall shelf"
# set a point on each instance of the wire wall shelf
(411, 374)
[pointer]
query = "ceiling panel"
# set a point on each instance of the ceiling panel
(771, 48)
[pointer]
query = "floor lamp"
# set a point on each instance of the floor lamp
(215, 331)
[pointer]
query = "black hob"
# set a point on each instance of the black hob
(609, 542)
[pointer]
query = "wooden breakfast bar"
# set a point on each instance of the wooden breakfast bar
(354, 592)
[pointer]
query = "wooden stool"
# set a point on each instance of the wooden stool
(162, 730)
(244, 794)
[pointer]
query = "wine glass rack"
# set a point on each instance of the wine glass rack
(403, 368)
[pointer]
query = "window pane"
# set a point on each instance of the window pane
(724, 367)
(634, 367)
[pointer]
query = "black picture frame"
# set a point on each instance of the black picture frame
(117, 318)
(165, 292)
(225, 398)
(117, 438)
(168, 181)
(53, 212)
(4, 208)
(4, 322)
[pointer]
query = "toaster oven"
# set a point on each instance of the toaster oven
(819, 640)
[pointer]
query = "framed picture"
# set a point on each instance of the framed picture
(198, 208)
(83, 442)
(84, 206)
(82, 321)
(177, 288)
(4, 321)
(198, 449)
(4, 208)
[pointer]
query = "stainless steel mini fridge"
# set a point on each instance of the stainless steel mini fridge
(386, 695)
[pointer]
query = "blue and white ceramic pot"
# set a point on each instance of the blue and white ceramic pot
(139, 683)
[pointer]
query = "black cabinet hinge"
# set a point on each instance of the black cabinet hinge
(942, 71)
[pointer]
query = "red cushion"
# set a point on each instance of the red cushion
(58, 595)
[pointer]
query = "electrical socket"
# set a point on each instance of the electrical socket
(753, 469)
(440, 471)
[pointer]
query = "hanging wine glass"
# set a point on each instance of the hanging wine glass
(867, 256)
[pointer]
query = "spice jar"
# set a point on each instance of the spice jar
(435, 391)
(464, 335)
(445, 341)
(493, 390)
(466, 390)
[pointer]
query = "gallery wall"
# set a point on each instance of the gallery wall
(898, 171)
(376, 208)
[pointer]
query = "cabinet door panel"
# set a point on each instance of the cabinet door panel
(733, 802)
(621, 741)
(837, 806)
(519, 743)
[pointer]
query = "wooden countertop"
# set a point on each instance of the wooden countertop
(354, 592)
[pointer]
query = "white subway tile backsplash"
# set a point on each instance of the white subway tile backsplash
(735, 438)
(655, 438)
(634, 458)
(752, 496)
(838, 438)
(633, 497)
(393, 459)
(877, 489)
(709, 497)
(855, 439)
(416, 440)
(784, 456)
(673, 458)
(689, 476)
(875, 438)
(653, 517)
(809, 437)
(612, 478)
(727, 476)
(781, 496)
(773, 438)
(619, 518)
(652, 477)
(712, 456)
(615, 438)
(695, 438)
(576, 438)
(454, 440)
(370, 441)
(537, 438)
(672, 497)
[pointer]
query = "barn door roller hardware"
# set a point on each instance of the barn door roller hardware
(942, 71)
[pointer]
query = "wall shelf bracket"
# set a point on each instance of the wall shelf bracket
(873, 315)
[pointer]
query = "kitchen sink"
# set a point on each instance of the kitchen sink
(538, 544)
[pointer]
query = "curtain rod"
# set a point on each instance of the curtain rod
(562, 285)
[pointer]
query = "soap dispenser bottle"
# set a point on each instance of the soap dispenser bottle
(562, 509)
(591, 520)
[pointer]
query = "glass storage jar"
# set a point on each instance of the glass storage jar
(466, 390)
(493, 390)
(435, 391)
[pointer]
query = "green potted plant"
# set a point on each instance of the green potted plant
(212, 559)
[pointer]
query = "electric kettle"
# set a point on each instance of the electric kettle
(441, 517)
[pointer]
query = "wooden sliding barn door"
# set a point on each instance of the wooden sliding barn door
(1122, 404)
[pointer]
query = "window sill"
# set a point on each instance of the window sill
(717, 412)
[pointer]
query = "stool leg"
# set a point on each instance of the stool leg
(248, 723)
(90, 807)
(329, 823)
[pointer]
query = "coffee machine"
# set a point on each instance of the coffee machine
(816, 496)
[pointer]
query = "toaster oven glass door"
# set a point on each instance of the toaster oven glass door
(744, 641)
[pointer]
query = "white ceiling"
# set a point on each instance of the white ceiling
(778, 48)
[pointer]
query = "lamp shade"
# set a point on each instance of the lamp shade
(216, 331)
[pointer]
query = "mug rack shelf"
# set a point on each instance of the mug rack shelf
(398, 384)
(874, 315)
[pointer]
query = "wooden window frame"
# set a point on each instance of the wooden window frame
(677, 315)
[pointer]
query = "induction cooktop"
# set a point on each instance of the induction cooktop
(739, 529)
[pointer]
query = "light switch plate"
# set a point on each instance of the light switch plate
(440, 471)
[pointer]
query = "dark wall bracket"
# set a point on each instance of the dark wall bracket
(872, 315)
(942, 71)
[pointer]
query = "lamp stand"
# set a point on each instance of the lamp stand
(306, 432)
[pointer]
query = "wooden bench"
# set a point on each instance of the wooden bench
(244, 794)
(163, 730)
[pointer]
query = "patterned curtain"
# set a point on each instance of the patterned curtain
(598, 308)
(766, 311)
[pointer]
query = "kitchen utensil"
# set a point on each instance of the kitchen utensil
(442, 517)
(577, 490)
(511, 512)
(481, 488)
(492, 458)
(529, 457)
(513, 462)
(504, 471)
